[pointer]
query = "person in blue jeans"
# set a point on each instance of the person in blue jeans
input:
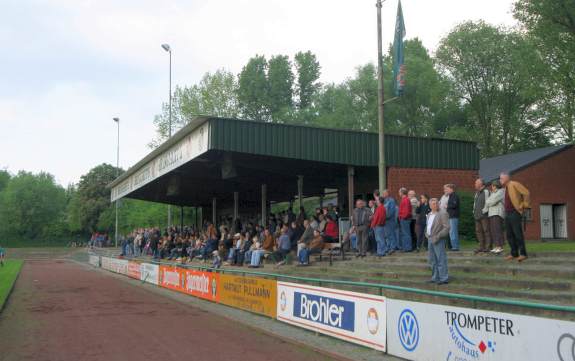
(450, 202)
(405, 213)
(378, 226)
(390, 228)
(437, 230)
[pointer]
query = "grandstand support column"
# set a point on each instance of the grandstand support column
(181, 218)
(321, 201)
(264, 204)
(300, 190)
(350, 189)
(236, 205)
(214, 213)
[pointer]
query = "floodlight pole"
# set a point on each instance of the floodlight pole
(117, 120)
(167, 48)
(380, 101)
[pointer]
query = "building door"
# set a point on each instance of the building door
(553, 219)
(546, 218)
(560, 220)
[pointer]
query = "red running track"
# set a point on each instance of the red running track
(63, 311)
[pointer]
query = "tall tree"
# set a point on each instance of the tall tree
(32, 207)
(253, 89)
(424, 96)
(551, 24)
(280, 85)
(308, 73)
(92, 200)
(489, 68)
(215, 95)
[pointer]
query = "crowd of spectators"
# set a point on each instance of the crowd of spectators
(238, 243)
(383, 226)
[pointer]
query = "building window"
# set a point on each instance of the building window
(528, 215)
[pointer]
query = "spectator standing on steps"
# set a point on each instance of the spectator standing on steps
(360, 224)
(496, 213)
(378, 226)
(516, 200)
(405, 220)
(390, 222)
(422, 211)
(437, 231)
(482, 231)
(452, 208)
(414, 204)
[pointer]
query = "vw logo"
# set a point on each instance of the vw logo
(566, 347)
(408, 330)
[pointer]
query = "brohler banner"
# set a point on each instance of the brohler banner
(354, 317)
(430, 332)
(253, 294)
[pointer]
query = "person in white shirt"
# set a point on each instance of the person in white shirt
(437, 232)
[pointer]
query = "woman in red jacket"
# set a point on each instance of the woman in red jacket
(331, 234)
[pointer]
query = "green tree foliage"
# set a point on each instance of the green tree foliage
(492, 71)
(308, 73)
(426, 108)
(551, 24)
(254, 89)
(4, 179)
(280, 84)
(215, 95)
(90, 207)
(32, 206)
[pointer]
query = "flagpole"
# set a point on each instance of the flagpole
(380, 102)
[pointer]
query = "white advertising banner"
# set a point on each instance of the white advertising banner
(429, 332)
(94, 260)
(106, 263)
(119, 266)
(150, 273)
(182, 152)
(354, 317)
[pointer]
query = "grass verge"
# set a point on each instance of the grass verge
(8, 275)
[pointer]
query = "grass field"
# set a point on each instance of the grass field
(8, 275)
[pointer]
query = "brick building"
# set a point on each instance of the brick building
(228, 165)
(549, 174)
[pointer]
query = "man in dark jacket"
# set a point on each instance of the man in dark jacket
(481, 220)
(453, 212)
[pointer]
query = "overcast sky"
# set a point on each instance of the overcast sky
(68, 66)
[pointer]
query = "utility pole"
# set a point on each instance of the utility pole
(117, 120)
(380, 100)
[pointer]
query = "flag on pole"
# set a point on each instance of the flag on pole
(398, 66)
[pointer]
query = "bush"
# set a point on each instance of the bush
(466, 221)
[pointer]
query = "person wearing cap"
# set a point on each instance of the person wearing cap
(238, 244)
